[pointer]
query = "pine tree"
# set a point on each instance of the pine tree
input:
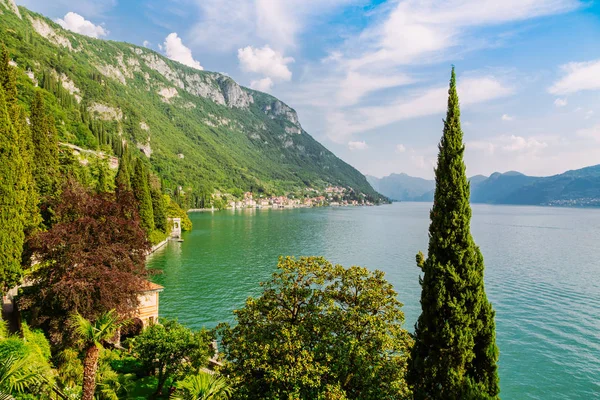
(12, 200)
(45, 145)
(141, 191)
(455, 353)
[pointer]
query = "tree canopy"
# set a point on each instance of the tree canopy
(170, 350)
(91, 261)
(318, 331)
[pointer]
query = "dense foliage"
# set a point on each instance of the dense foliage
(455, 353)
(319, 331)
(91, 261)
(171, 351)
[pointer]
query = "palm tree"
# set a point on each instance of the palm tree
(17, 375)
(203, 386)
(91, 335)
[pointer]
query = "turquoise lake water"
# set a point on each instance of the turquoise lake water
(542, 276)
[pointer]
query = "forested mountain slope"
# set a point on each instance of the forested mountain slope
(199, 130)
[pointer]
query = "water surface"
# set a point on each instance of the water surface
(542, 276)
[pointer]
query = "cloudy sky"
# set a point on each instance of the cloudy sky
(369, 78)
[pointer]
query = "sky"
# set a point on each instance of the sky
(369, 78)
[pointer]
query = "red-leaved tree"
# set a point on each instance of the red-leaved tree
(91, 261)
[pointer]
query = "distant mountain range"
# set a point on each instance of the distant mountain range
(573, 188)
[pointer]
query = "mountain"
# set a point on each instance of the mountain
(573, 188)
(401, 187)
(199, 130)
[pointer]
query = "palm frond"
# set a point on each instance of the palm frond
(18, 375)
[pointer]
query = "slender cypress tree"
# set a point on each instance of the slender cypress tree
(141, 191)
(123, 178)
(159, 208)
(31, 213)
(455, 353)
(12, 200)
(45, 146)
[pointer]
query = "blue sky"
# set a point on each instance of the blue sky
(368, 78)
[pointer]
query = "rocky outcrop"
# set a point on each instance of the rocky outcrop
(104, 112)
(145, 147)
(47, 32)
(167, 94)
(204, 85)
(69, 86)
(234, 95)
(12, 6)
(159, 65)
(278, 109)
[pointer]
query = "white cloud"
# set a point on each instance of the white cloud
(400, 148)
(519, 143)
(263, 85)
(177, 51)
(76, 23)
(265, 61)
(506, 117)
(578, 76)
(257, 21)
(560, 102)
(146, 43)
(357, 145)
(471, 91)
(414, 30)
(356, 85)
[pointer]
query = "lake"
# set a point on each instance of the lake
(542, 276)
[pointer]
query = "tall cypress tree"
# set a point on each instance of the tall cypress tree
(141, 191)
(12, 200)
(123, 178)
(455, 353)
(31, 213)
(159, 208)
(45, 146)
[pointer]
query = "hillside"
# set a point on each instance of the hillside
(573, 188)
(199, 130)
(401, 187)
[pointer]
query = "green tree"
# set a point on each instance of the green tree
(8, 80)
(102, 174)
(92, 335)
(12, 201)
(455, 351)
(319, 330)
(123, 178)
(141, 191)
(31, 213)
(202, 386)
(170, 350)
(45, 146)
(174, 211)
(159, 209)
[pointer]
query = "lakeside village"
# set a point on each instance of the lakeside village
(334, 196)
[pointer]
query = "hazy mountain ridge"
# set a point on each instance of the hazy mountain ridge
(199, 129)
(572, 188)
